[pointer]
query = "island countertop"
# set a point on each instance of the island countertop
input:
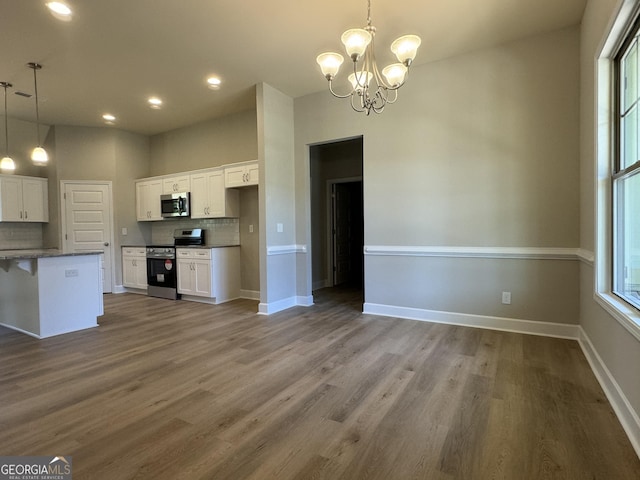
(40, 253)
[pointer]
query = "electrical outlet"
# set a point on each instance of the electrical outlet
(506, 298)
(71, 273)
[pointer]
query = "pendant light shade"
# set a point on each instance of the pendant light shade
(39, 155)
(7, 163)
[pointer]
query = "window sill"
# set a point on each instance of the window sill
(626, 315)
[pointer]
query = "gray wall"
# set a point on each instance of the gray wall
(480, 150)
(87, 153)
(212, 143)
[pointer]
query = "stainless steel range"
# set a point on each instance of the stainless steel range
(162, 280)
(162, 275)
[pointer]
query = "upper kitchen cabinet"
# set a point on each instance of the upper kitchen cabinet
(176, 184)
(24, 199)
(148, 199)
(210, 198)
(241, 175)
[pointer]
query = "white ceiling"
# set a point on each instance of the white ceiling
(116, 53)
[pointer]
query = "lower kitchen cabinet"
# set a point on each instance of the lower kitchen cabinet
(134, 267)
(210, 275)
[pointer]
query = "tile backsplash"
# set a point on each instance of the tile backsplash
(218, 231)
(18, 236)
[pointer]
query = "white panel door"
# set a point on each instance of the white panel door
(88, 221)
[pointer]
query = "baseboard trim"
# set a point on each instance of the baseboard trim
(18, 329)
(137, 291)
(618, 400)
(318, 284)
(250, 294)
(285, 303)
(546, 329)
(304, 301)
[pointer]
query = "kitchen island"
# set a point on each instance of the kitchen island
(46, 292)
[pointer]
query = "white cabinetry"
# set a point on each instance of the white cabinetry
(134, 267)
(148, 200)
(210, 198)
(176, 184)
(241, 175)
(210, 275)
(24, 199)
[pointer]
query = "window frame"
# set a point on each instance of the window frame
(606, 154)
(620, 173)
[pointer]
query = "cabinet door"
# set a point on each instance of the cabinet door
(10, 199)
(128, 272)
(241, 176)
(153, 199)
(252, 174)
(142, 214)
(176, 184)
(217, 198)
(185, 277)
(202, 278)
(234, 176)
(148, 200)
(199, 195)
(35, 200)
(140, 265)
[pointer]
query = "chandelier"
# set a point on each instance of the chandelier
(370, 92)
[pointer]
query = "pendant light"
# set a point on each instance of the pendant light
(38, 155)
(7, 163)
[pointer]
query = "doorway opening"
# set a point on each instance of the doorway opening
(337, 215)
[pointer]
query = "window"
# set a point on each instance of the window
(626, 174)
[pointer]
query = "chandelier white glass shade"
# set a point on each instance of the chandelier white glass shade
(7, 163)
(39, 155)
(372, 90)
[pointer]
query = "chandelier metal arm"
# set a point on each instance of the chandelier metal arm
(337, 95)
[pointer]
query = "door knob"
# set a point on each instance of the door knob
(106, 244)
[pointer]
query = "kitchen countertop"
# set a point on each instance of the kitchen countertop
(40, 253)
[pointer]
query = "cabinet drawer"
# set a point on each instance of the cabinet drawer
(134, 251)
(199, 253)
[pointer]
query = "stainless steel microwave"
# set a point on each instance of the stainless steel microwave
(175, 205)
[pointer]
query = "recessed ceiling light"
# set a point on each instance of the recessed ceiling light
(60, 10)
(109, 119)
(214, 83)
(155, 102)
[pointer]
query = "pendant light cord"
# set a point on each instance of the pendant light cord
(35, 83)
(6, 123)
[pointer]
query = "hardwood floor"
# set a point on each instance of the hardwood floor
(180, 390)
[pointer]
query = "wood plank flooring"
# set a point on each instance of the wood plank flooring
(180, 390)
